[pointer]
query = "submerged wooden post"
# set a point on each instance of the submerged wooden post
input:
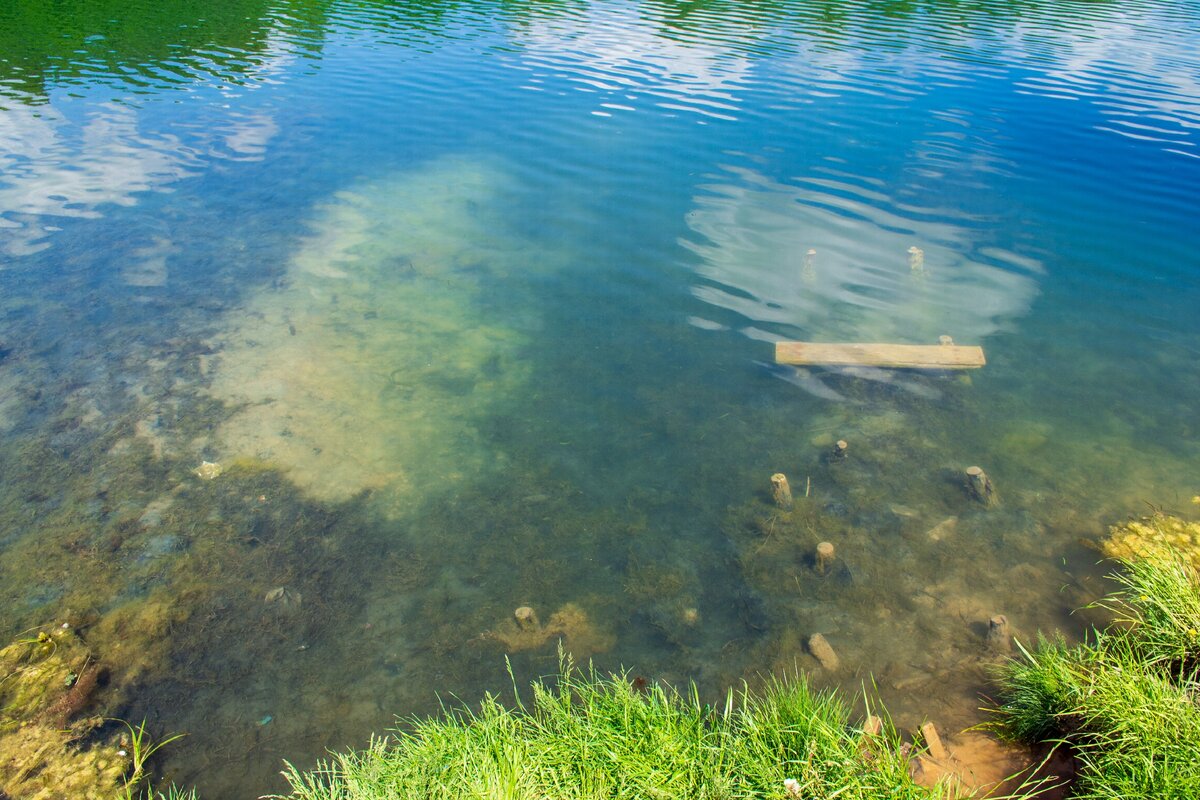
(819, 646)
(808, 270)
(980, 486)
(825, 556)
(781, 491)
(998, 637)
(840, 448)
(527, 618)
(916, 260)
(933, 742)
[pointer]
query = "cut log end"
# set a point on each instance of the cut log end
(825, 556)
(527, 618)
(999, 638)
(980, 487)
(781, 491)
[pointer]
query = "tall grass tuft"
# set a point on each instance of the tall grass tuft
(1159, 601)
(1040, 692)
(587, 736)
(1125, 702)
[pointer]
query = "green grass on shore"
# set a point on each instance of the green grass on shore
(589, 736)
(1126, 702)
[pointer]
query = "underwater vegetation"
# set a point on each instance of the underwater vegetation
(369, 364)
(49, 747)
(1123, 703)
(47, 678)
(857, 576)
(589, 735)
(570, 623)
(1159, 534)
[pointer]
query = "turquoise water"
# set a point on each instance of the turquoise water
(471, 304)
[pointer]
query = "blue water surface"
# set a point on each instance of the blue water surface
(474, 304)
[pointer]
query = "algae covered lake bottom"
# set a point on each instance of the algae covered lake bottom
(331, 334)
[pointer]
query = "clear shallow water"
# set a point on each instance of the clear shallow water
(467, 300)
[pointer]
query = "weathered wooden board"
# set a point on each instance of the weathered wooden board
(906, 356)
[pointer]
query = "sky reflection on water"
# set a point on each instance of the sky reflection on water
(470, 302)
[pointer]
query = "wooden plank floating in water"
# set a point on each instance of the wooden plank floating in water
(905, 356)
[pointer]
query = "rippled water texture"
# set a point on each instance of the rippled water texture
(473, 304)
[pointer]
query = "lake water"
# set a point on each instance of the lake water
(474, 304)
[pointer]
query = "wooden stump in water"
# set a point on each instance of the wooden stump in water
(999, 638)
(933, 742)
(819, 646)
(781, 491)
(916, 260)
(807, 270)
(840, 448)
(825, 556)
(527, 618)
(980, 486)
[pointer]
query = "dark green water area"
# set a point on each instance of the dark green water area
(473, 304)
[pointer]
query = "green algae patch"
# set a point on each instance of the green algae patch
(48, 678)
(1154, 536)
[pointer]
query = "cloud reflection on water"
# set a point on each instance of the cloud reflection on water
(1129, 67)
(753, 234)
(54, 167)
(620, 53)
(57, 161)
